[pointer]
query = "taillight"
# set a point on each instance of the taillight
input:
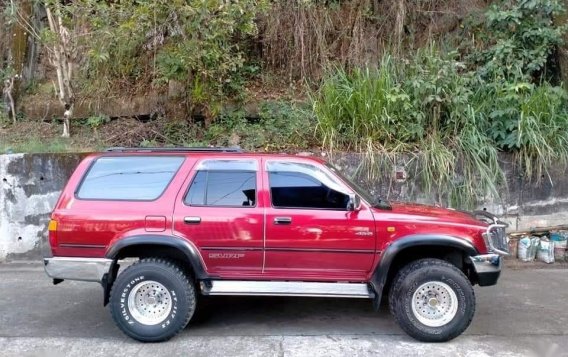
(52, 233)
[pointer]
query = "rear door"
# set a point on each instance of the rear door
(220, 213)
(310, 234)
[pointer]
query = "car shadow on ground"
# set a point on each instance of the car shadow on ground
(289, 315)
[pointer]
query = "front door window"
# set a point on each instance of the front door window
(299, 185)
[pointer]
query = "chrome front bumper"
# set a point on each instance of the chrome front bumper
(83, 269)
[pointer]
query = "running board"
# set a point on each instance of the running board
(287, 288)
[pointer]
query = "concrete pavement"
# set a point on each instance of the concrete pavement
(525, 315)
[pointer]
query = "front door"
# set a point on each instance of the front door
(219, 212)
(310, 234)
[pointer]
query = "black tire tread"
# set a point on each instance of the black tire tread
(398, 281)
(188, 290)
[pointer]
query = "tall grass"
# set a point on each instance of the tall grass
(448, 120)
(542, 138)
(362, 105)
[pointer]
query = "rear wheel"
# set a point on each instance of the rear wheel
(152, 300)
(432, 300)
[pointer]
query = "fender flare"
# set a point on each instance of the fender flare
(189, 250)
(379, 277)
(184, 246)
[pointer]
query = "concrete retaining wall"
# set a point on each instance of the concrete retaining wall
(30, 185)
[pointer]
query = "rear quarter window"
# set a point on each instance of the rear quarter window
(140, 178)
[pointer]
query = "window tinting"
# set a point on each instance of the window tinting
(223, 188)
(308, 170)
(228, 165)
(129, 178)
(299, 190)
(196, 194)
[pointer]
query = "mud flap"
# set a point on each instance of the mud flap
(108, 280)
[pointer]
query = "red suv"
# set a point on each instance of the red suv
(215, 221)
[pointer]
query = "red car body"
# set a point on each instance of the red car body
(319, 245)
(355, 249)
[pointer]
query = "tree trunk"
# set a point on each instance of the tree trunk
(399, 24)
(18, 51)
(64, 68)
(8, 98)
(563, 50)
(20, 38)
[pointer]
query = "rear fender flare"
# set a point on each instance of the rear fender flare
(187, 248)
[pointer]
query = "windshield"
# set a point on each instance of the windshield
(374, 201)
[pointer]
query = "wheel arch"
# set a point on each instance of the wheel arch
(416, 246)
(147, 245)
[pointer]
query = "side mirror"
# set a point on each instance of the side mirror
(354, 202)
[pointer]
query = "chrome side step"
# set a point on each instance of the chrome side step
(286, 288)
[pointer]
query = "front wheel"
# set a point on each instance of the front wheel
(432, 300)
(152, 300)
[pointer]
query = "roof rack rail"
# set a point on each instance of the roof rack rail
(175, 149)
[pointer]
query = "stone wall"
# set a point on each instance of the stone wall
(30, 185)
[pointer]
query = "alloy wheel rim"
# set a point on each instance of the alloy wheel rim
(434, 304)
(149, 302)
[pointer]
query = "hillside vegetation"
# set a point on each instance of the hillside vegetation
(438, 87)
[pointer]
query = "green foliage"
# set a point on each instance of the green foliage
(5, 73)
(279, 126)
(450, 120)
(522, 115)
(420, 106)
(542, 132)
(353, 107)
(196, 42)
(521, 35)
(455, 116)
(521, 111)
(444, 115)
(97, 120)
(34, 145)
(4, 120)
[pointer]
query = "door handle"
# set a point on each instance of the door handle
(282, 220)
(192, 220)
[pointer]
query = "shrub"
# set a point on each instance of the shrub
(519, 37)
(279, 126)
(198, 43)
(422, 106)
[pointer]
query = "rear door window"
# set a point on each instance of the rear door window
(224, 183)
(139, 178)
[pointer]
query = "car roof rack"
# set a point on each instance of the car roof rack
(174, 149)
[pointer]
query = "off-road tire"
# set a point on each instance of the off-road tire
(171, 278)
(412, 277)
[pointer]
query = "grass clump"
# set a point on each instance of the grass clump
(451, 121)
